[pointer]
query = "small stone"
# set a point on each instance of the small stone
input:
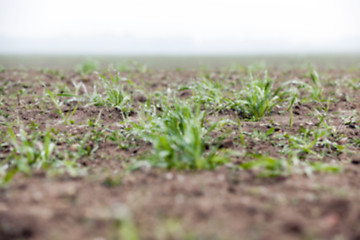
(3, 207)
(75, 147)
(169, 176)
(355, 161)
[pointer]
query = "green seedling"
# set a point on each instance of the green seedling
(65, 117)
(34, 152)
(123, 138)
(290, 109)
(113, 181)
(306, 142)
(114, 95)
(143, 68)
(316, 87)
(50, 71)
(355, 142)
(88, 66)
(208, 93)
(323, 136)
(325, 167)
(74, 96)
(94, 122)
(260, 135)
(178, 136)
(257, 99)
(266, 166)
(124, 67)
(293, 97)
(29, 152)
(354, 83)
(131, 67)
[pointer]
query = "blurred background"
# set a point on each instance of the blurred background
(235, 28)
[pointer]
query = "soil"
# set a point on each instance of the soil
(225, 203)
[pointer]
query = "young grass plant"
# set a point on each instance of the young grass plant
(258, 98)
(29, 152)
(88, 66)
(209, 93)
(178, 136)
(131, 67)
(114, 95)
(66, 118)
(314, 88)
(310, 141)
(293, 97)
(36, 151)
(266, 166)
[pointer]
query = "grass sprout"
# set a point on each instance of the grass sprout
(113, 95)
(66, 118)
(257, 99)
(29, 152)
(323, 137)
(88, 66)
(178, 136)
(266, 166)
(209, 93)
(314, 88)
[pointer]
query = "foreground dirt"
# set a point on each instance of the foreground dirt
(227, 203)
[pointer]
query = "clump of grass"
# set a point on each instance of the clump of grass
(319, 142)
(66, 118)
(131, 67)
(179, 139)
(35, 151)
(257, 99)
(113, 96)
(209, 93)
(266, 166)
(88, 66)
(28, 152)
(305, 142)
(353, 83)
(292, 94)
(51, 71)
(314, 88)
(260, 135)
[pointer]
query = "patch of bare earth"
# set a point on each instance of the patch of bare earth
(226, 203)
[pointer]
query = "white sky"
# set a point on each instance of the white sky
(271, 25)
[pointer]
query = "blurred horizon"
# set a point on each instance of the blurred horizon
(128, 45)
(71, 62)
(160, 27)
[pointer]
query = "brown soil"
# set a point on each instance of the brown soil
(226, 203)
